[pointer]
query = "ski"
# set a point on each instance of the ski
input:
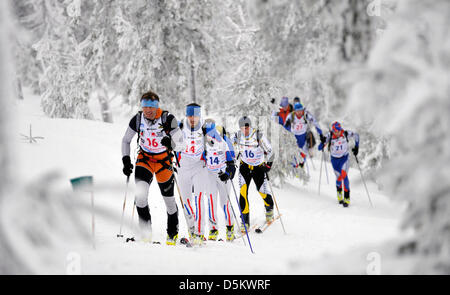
(240, 233)
(265, 225)
(132, 239)
(185, 241)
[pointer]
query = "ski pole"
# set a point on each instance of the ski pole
(360, 171)
(234, 214)
(275, 201)
(326, 170)
(312, 163)
(120, 235)
(242, 217)
(320, 174)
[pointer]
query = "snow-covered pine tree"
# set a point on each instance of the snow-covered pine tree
(406, 92)
(65, 91)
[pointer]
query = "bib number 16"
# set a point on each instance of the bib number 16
(249, 154)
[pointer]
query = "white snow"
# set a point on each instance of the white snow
(317, 227)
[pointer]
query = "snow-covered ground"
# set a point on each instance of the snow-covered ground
(318, 229)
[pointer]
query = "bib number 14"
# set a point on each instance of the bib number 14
(214, 160)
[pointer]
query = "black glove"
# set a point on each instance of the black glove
(224, 176)
(323, 139)
(167, 142)
(231, 169)
(355, 150)
(127, 166)
(267, 166)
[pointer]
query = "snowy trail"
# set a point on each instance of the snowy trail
(316, 225)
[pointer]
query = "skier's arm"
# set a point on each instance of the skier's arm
(229, 149)
(129, 134)
(270, 155)
(313, 120)
(355, 136)
(287, 124)
(322, 145)
(176, 135)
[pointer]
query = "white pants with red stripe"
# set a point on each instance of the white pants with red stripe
(193, 176)
(215, 187)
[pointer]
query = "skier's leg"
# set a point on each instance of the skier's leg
(166, 184)
(143, 179)
(185, 184)
(211, 193)
(244, 181)
(345, 181)
(200, 174)
(301, 143)
(263, 189)
(224, 190)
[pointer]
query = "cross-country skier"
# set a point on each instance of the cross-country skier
(257, 158)
(219, 155)
(338, 145)
(158, 133)
(285, 109)
(193, 172)
(297, 123)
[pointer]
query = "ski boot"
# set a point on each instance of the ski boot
(191, 233)
(172, 241)
(230, 233)
(243, 227)
(213, 234)
(269, 216)
(346, 199)
(198, 240)
(340, 197)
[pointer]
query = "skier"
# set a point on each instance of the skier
(337, 141)
(253, 147)
(193, 172)
(285, 109)
(158, 133)
(219, 155)
(297, 123)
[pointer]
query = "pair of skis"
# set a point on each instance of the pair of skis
(183, 241)
(264, 226)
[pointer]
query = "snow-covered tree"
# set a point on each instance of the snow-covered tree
(405, 94)
(65, 90)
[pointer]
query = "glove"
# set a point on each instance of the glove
(323, 139)
(355, 150)
(321, 146)
(231, 169)
(127, 166)
(267, 166)
(167, 142)
(224, 176)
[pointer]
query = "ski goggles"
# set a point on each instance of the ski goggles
(193, 111)
(149, 103)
